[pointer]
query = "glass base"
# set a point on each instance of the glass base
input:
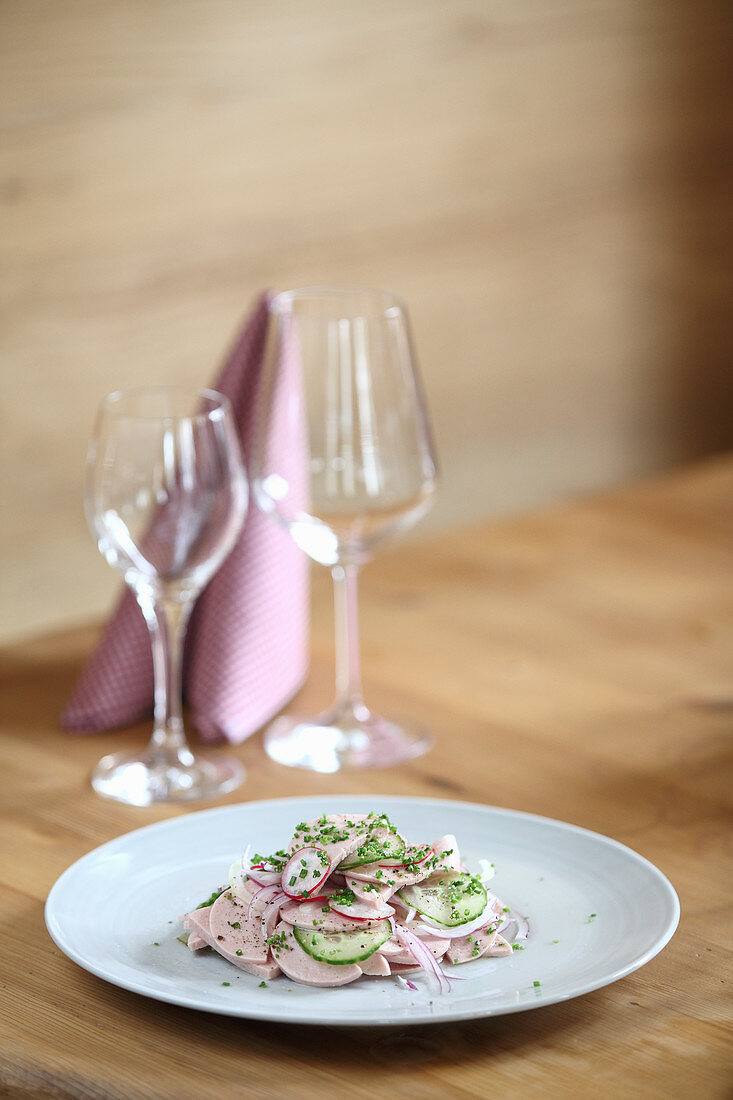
(343, 738)
(140, 779)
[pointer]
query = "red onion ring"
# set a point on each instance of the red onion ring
(272, 907)
(263, 878)
(263, 894)
(423, 956)
(262, 875)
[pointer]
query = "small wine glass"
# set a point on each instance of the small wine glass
(341, 383)
(166, 497)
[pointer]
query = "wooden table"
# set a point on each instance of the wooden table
(576, 664)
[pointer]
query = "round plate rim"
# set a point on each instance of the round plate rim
(638, 961)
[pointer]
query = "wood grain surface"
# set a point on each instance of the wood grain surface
(575, 663)
(544, 181)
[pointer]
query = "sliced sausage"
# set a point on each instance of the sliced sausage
(339, 835)
(447, 852)
(374, 894)
(310, 914)
(301, 967)
(375, 965)
(470, 947)
(199, 922)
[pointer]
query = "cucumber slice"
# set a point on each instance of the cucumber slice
(340, 948)
(449, 898)
(380, 844)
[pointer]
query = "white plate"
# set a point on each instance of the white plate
(114, 912)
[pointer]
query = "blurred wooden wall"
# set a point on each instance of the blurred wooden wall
(543, 180)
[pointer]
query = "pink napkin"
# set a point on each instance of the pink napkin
(247, 645)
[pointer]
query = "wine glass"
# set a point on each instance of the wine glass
(166, 496)
(340, 383)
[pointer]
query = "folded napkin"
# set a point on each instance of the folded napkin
(246, 649)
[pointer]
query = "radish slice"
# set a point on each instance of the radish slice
(350, 916)
(305, 872)
(431, 928)
(361, 910)
(424, 957)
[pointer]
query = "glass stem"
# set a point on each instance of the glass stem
(346, 606)
(167, 621)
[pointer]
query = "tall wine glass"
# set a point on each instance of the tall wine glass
(341, 384)
(166, 496)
